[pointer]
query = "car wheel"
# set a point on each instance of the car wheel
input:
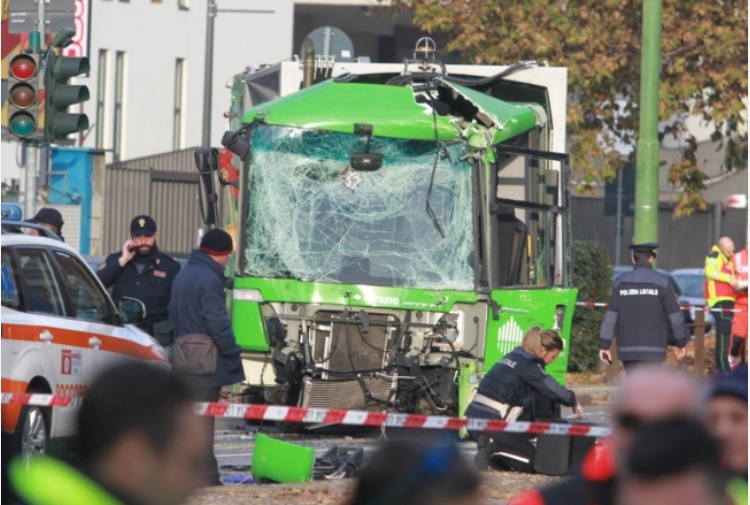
(32, 432)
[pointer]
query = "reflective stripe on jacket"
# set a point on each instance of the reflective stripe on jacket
(719, 274)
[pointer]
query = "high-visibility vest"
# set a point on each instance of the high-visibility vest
(48, 481)
(740, 268)
(719, 274)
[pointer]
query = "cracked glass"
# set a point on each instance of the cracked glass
(312, 217)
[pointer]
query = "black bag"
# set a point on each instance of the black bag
(194, 354)
(163, 332)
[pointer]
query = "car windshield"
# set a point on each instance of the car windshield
(312, 217)
(691, 284)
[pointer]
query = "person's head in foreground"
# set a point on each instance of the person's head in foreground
(140, 437)
(727, 418)
(417, 472)
(651, 393)
(672, 462)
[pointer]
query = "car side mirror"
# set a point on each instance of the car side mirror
(132, 310)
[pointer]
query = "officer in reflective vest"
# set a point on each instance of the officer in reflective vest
(739, 319)
(719, 287)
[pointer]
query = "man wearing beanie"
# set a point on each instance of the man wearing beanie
(48, 218)
(199, 306)
(140, 270)
(727, 421)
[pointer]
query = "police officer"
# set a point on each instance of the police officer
(642, 309)
(141, 271)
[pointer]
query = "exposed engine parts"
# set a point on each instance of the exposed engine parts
(363, 360)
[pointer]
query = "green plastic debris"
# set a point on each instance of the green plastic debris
(278, 461)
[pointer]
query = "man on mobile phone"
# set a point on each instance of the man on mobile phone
(140, 270)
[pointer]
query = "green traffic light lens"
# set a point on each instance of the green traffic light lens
(22, 96)
(22, 124)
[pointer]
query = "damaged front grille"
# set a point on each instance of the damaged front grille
(348, 394)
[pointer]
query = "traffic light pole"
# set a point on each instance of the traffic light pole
(32, 165)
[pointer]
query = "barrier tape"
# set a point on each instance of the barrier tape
(349, 417)
(683, 307)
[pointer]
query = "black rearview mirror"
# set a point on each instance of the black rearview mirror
(207, 162)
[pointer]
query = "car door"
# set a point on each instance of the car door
(51, 344)
(96, 318)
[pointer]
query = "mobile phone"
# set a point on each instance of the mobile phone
(131, 248)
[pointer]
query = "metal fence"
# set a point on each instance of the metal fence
(684, 242)
(165, 187)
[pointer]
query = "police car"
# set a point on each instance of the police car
(59, 329)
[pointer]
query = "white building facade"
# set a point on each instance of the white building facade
(147, 73)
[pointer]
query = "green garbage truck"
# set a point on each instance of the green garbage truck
(398, 227)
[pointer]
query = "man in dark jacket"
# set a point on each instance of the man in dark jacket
(642, 310)
(143, 272)
(199, 306)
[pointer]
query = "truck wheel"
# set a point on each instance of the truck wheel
(32, 432)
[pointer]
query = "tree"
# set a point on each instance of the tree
(704, 70)
(593, 280)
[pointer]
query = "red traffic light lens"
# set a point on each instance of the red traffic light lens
(23, 67)
(22, 96)
(21, 124)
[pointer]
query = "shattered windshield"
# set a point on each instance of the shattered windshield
(312, 217)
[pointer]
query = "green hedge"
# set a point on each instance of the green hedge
(592, 275)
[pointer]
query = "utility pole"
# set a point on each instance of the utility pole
(647, 154)
(208, 73)
(212, 11)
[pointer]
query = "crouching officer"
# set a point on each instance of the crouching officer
(142, 271)
(642, 310)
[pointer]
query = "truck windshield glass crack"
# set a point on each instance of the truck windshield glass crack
(312, 218)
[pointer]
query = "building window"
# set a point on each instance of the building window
(101, 94)
(183, 4)
(119, 110)
(179, 93)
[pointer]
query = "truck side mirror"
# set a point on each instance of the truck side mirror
(237, 142)
(207, 162)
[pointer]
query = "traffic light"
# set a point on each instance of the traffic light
(23, 99)
(59, 123)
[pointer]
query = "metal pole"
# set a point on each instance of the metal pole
(647, 157)
(208, 73)
(29, 199)
(618, 226)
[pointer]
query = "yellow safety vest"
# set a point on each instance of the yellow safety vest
(719, 274)
(48, 481)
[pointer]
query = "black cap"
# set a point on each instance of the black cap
(217, 242)
(48, 215)
(142, 225)
(648, 247)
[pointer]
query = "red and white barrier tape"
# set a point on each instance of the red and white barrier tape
(347, 417)
(683, 307)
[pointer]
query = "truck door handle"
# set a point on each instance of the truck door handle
(95, 342)
(46, 336)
